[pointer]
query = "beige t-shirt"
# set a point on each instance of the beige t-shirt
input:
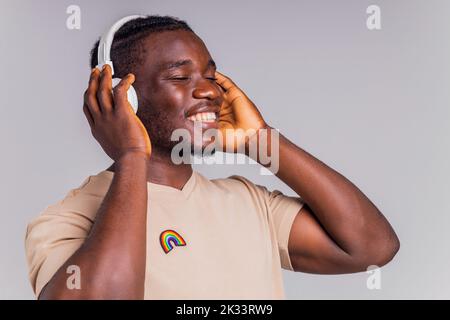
(213, 239)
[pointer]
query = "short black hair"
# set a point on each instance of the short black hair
(126, 48)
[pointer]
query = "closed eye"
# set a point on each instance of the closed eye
(187, 78)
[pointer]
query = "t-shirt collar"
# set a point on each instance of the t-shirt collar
(159, 188)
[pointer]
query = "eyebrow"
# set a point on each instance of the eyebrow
(178, 64)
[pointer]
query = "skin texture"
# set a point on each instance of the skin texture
(339, 230)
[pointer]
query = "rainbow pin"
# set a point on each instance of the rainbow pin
(169, 239)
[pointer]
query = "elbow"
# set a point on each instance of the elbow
(381, 244)
(113, 287)
(387, 252)
(388, 246)
(377, 252)
(382, 252)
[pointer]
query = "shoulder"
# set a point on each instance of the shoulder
(78, 206)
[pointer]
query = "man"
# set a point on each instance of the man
(147, 228)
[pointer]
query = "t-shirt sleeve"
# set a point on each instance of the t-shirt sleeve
(281, 210)
(50, 240)
(56, 234)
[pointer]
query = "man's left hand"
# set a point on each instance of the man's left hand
(237, 112)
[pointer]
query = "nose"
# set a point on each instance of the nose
(207, 89)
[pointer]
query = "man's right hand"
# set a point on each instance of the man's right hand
(111, 118)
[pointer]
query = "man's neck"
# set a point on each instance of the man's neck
(161, 170)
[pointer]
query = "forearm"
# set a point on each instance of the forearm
(352, 221)
(112, 258)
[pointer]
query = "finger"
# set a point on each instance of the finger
(104, 93)
(232, 91)
(90, 95)
(88, 115)
(120, 93)
(224, 82)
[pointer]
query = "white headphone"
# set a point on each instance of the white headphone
(104, 56)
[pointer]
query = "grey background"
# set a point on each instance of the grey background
(373, 105)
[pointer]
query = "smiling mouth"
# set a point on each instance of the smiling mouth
(204, 117)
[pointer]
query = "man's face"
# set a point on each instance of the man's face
(174, 83)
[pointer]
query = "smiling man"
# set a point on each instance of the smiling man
(147, 228)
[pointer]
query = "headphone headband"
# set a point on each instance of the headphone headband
(104, 46)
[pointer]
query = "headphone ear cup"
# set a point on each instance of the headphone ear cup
(131, 94)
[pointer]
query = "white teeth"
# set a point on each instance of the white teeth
(203, 116)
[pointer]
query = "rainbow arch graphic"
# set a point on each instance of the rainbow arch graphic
(169, 239)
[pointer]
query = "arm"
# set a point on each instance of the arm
(112, 258)
(338, 230)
